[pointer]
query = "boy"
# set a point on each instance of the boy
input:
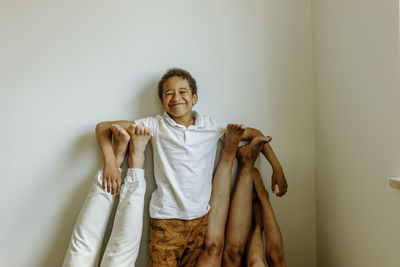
(184, 146)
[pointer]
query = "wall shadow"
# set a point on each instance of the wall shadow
(147, 104)
(59, 242)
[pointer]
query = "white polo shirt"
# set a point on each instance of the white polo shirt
(183, 165)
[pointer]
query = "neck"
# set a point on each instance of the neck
(185, 121)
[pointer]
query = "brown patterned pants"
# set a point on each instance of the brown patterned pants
(175, 242)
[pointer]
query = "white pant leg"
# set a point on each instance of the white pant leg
(123, 246)
(87, 236)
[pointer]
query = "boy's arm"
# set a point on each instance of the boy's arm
(278, 177)
(111, 173)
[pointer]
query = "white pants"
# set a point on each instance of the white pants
(87, 237)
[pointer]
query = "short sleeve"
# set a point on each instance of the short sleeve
(221, 128)
(150, 122)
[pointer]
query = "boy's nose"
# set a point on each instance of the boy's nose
(175, 96)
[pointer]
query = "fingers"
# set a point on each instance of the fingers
(281, 186)
(113, 187)
(139, 130)
(282, 190)
(273, 185)
(118, 185)
(109, 184)
(104, 182)
(111, 181)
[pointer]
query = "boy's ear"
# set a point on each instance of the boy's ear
(195, 98)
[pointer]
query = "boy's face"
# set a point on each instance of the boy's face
(177, 98)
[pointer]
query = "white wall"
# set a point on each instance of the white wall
(67, 65)
(356, 56)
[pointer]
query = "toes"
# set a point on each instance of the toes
(122, 133)
(118, 131)
(114, 128)
(241, 128)
(236, 127)
(148, 131)
(131, 129)
(232, 127)
(137, 130)
(260, 140)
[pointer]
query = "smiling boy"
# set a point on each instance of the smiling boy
(184, 147)
(178, 99)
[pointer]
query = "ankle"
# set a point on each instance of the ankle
(136, 161)
(245, 164)
(120, 161)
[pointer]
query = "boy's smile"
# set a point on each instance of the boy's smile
(178, 100)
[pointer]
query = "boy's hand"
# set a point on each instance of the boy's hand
(278, 178)
(111, 178)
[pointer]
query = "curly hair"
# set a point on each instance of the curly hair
(179, 73)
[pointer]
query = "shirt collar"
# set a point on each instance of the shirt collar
(198, 121)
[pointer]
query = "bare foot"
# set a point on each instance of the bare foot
(248, 154)
(121, 141)
(140, 136)
(232, 138)
(259, 187)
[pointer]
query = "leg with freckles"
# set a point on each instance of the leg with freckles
(239, 218)
(211, 253)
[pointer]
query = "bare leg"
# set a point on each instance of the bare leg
(255, 257)
(121, 140)
(211, 254)
(274, 245)
(239, 218)
(140, 137)
(123, 247)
